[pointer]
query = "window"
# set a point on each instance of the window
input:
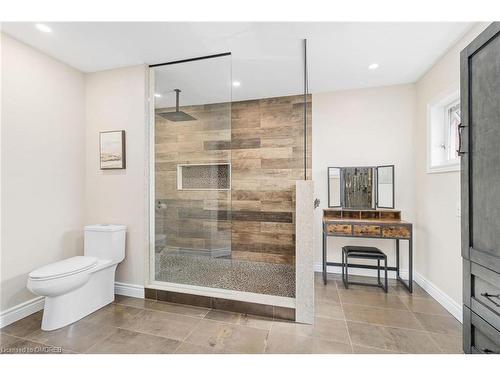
(443, 138)
(452, 120)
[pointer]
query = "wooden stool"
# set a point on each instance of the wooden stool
(363, 252)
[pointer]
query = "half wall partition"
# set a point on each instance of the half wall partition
(226, 150)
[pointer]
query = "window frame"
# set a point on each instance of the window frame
(448, 134)
(439, 132)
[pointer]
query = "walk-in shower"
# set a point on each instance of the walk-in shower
(224, 161)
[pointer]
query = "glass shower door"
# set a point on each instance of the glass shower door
(192, 159)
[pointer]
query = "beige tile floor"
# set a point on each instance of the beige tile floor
(358, 320)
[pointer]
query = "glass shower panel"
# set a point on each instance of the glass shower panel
(268, 157)
(192, 170)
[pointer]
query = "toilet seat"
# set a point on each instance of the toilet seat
(66, 267)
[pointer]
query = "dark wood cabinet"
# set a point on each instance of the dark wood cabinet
(482, 338)
(480, 191)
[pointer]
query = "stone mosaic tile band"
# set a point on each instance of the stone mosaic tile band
(247, 276)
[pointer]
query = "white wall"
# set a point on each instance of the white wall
(51, 182)
(438, 256)
(116, 100)
(389, 125)
(43, 161)
(364, 127)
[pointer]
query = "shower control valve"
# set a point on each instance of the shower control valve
(316, 203)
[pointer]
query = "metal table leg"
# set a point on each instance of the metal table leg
(410, 262)
(397, 259)
(346, 281)
(324, 255)
(409, 284)
(343, 262)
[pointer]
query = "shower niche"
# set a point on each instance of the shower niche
(204, 176)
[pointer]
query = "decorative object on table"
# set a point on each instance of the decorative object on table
(361, 188)
(358, 187)
(112, 149)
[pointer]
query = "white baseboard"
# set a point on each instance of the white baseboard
(446, 301)
(21, 311)
(129, 290)
(24, 309)
(357, 271)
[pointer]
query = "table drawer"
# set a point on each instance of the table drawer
(396, 231)
(483, 338)
(345, 229)
(366, 230)
(485, 293)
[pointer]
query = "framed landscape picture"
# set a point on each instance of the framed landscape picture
(112, 149)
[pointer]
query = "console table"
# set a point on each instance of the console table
(384, 224)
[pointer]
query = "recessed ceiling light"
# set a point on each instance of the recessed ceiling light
(373, 66)
(236, 83)
(42, 27)
(157, 95)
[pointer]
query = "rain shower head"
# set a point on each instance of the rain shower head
(177, 115)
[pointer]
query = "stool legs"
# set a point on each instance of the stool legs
(368, 253)
(347, 271)
(378, 271)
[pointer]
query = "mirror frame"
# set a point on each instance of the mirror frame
(377, 205)
(375, 184)
(341, 189)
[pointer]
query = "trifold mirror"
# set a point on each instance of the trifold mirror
(361, 187)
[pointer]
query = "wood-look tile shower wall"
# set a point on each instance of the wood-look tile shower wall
(264, 142)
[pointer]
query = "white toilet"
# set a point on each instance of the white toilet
(77, 286)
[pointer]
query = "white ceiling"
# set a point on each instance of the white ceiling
(266, 57)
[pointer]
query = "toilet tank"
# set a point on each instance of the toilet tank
(105, 241)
